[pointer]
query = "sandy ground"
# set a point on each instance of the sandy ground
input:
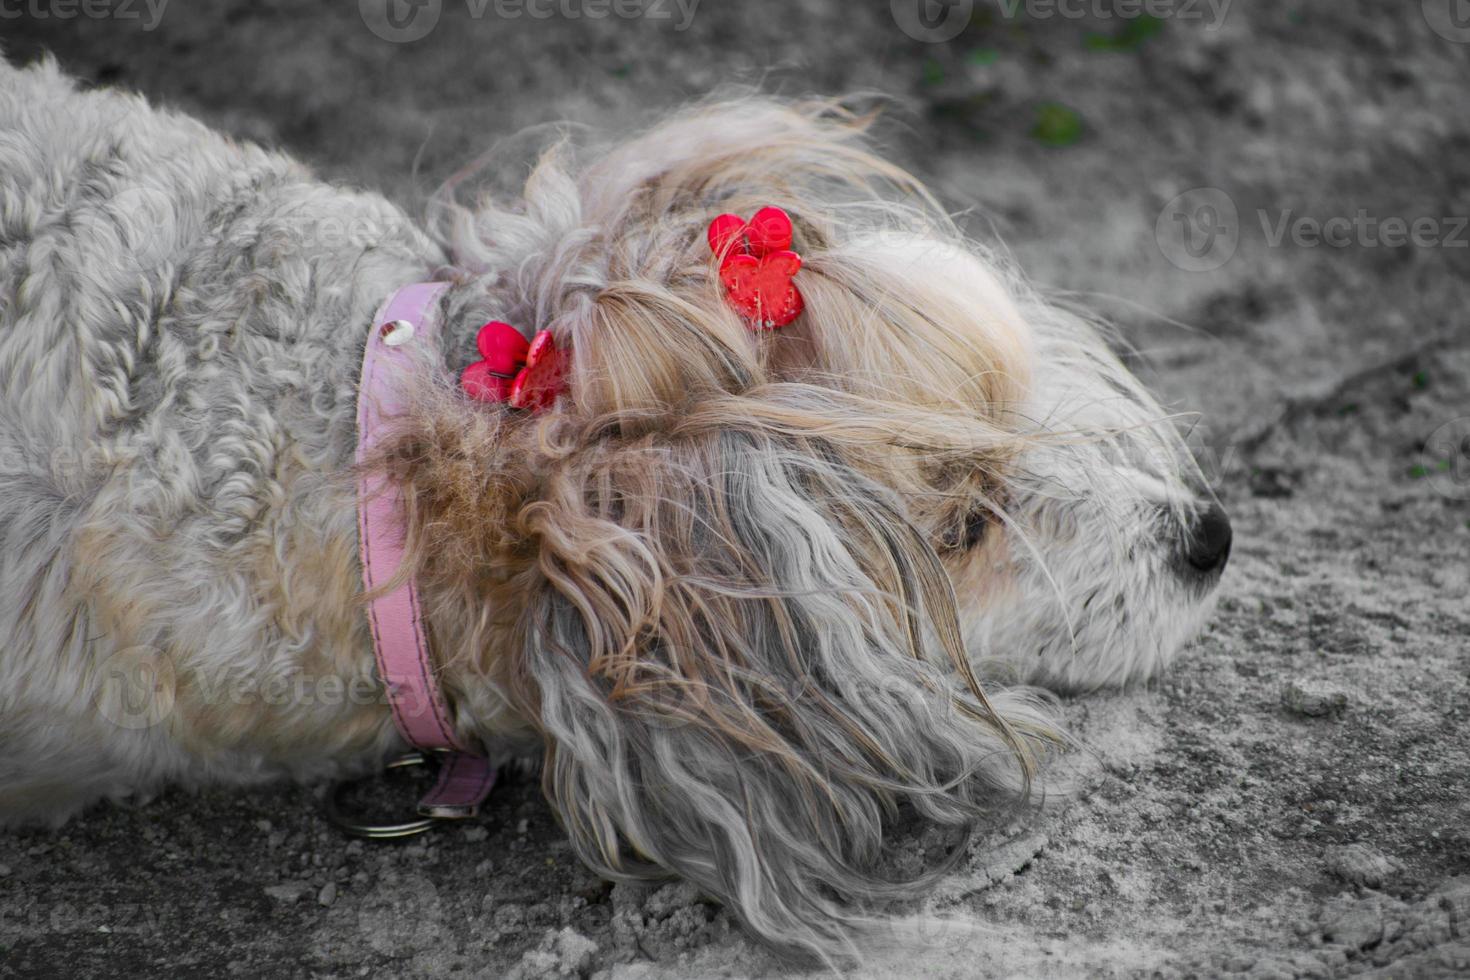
(1289, 800)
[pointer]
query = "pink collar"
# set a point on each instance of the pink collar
(407, 321)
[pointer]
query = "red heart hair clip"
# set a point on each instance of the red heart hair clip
(524, 375)
(757, 266)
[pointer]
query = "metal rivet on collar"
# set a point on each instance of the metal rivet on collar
(396, 333)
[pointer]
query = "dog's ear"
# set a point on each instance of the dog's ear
(744, 660)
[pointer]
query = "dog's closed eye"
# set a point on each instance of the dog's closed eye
(967, 533)
(976, 523)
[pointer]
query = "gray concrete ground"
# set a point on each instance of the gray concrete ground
(1290, 800)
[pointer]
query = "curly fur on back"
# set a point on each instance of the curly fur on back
(179, 342)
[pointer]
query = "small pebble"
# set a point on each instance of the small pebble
(4, 870)
(288, 891)
(1360, 864)
(1313, 700)
(1358, 928)
(327, 895)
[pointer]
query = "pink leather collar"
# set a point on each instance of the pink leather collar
(408, 321)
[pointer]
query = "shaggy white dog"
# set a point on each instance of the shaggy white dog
(738, 589)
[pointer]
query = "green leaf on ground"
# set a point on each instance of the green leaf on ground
(1056, 125)
(1130, 38)
(933, 71)
(983, 57)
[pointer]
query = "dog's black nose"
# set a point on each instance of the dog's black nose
(1207, 543)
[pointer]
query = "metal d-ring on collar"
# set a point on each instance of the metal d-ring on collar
(354, 827)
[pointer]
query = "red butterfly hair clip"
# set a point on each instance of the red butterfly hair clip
(524, 375)
(757, 266)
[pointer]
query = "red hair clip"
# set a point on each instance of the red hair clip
(757, 266)
(524, 375)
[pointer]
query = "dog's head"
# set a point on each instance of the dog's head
(740, 583)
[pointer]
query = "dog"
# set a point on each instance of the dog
(746, 593)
